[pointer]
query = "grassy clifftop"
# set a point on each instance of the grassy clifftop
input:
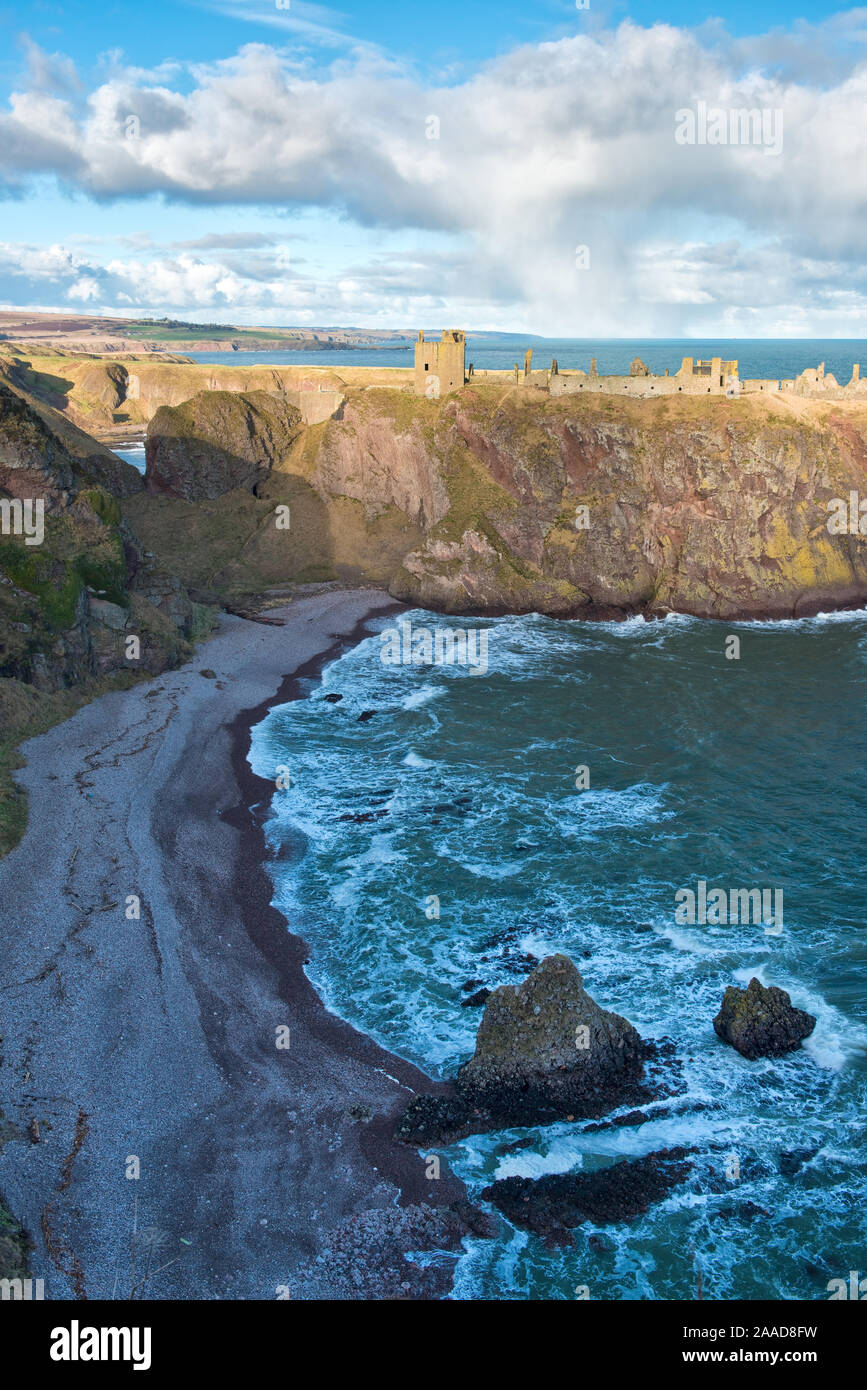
(105, 395)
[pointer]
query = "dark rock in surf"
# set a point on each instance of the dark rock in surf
(553, 1205)
(793, 1160)
(434, 1120)
(761, 1022)
(475, 1001)
(546, 1049)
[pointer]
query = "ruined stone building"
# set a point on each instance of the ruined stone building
(440, 367)
(696, 377)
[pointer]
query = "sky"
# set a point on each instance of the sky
(535, 167)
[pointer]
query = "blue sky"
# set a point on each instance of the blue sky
(451, 33)
(496, 165)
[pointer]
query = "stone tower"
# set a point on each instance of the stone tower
(440, 367)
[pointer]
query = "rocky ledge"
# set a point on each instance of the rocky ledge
(218, 441)
(553, 1205)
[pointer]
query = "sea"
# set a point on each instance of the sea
(557, 802)
(757, 357)
(134, 454)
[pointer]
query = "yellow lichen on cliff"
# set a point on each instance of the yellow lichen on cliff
(806, 560)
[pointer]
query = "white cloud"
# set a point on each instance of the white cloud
(546, 148)
(312, 23)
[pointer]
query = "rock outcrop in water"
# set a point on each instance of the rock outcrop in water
(761, 1021)
(544, 1051)
(551, 1206)
(546, 1048)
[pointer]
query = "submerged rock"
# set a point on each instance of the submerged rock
(545, 1049)
(551, 1206)
(434, 1120)
(761, 1021)
(476, 1000)
(793, 1160)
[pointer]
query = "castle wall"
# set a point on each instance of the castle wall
(571, 383)
(818, 384)
(426, 364)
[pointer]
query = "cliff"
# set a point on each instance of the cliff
(45, 396)
(218, 441)
(75, 585)
(606, 508)
(493, 501)
(68, 600)
(111, 397)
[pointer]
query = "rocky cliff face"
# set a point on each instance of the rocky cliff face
(115, 397)
(95, 462)
(70, 596)
(382, 461)
(511, 501)
(218, 441)
(718, 509)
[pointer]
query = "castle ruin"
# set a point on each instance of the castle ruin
(696, 377)
(440, 367)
